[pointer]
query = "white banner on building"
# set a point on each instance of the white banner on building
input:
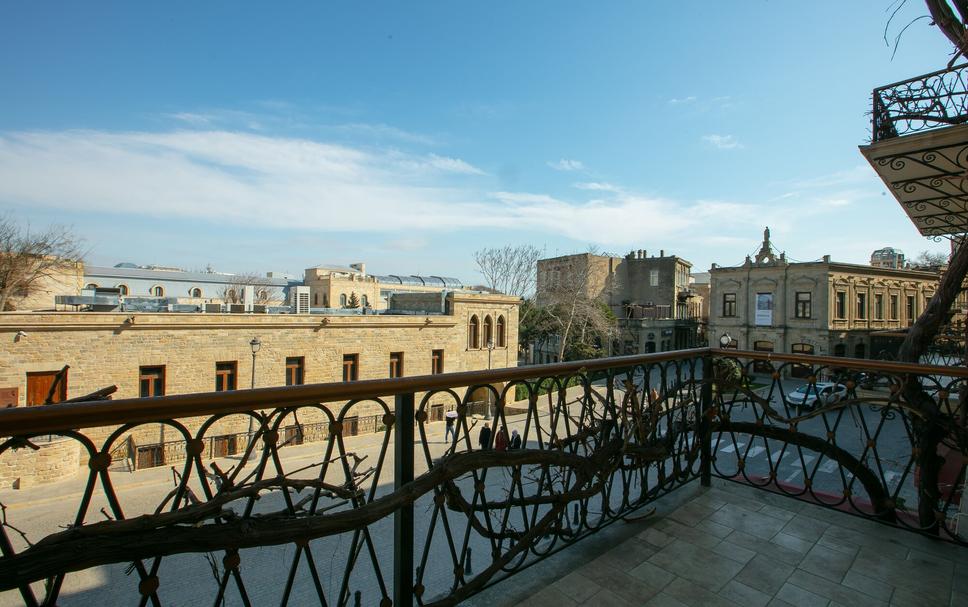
(764, 309)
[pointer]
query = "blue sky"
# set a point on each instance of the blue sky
(408, 135)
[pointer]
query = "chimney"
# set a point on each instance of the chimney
(661, 252)
(826, 258)
(360, 267)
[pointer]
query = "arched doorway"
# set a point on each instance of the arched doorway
(799, 370)
(761, 366)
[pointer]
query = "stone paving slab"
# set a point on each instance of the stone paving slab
(733, 545)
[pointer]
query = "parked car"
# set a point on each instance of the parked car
(809, 396)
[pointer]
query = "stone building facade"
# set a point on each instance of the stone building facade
(190, 353)
(822, 307)
(652, 297)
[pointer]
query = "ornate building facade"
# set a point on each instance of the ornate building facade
(822, 307)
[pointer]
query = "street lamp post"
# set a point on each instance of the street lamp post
(490, 349)
(255, 344)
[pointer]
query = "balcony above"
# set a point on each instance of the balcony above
(919, 148)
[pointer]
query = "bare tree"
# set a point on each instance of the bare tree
(928, 260)
(233, 290)
(29, 258)
(510, 269)
(574, 298)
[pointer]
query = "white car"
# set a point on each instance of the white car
(822, 393)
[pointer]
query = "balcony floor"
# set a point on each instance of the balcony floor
(733, 545)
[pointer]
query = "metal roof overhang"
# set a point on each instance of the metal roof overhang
(928, 175)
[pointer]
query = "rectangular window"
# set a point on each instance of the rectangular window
(894, 307)
(878, 306)
(803, 304)
(396, 364)
(295, 370)
(840, 307)
(912, 312)
(653, 278)
(152, 381)
(351, 367)
(861, 306)
(437, 362)
(225, 375)
(729, 304)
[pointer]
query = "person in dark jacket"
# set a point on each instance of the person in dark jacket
(484, 438)
(515, 440)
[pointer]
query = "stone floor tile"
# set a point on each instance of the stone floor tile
(875, 588)
(712, 528)
(691, 514)
(652, 575)
(607, 598)
(657, 538)
(550, 597)
(710, 499)
(792, 542)
(576, 586)
(805, 528)
(841, 594)
(695, 564)
(890, 548)
(746, 500)
(778, 512)
(747, 521)
(632, 553)
(687, 534)
(695, 596)
(930, 582)
(779, 603)
(744, 595)
(765, 547)
(913, 598)
(664, 600)
(764, 574)
(618, 582)
(827, 563)
(801, 597)
(734, 551)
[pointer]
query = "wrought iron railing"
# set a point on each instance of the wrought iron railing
(922, 103)
(451, 518)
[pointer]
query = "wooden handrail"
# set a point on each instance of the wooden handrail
(53, 418)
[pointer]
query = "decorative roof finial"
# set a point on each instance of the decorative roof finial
(766, 234)
(766, 255)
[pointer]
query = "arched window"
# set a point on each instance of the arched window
(263, 295)
(158, 291)
(122, 289)
(195, 292)
(91, 285)
(315, 299)
(364, 301)
(342, 300)
(860, 351)
(474, 333)
(501, 333)
(325, 300)
(840, 350)
(488, 331)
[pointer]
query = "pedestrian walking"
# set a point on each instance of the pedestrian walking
(484, 438)
(450, 433)
(501, 440)
(515, 440)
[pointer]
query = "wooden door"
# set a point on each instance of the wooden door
(151, 456)
(436, 413)
(292, 435)
(223, 446)
(351, 426)
(39, 384)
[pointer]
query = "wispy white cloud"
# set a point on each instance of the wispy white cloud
(566, 164)
(723, 142)
(597, 186)
(681, 100)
